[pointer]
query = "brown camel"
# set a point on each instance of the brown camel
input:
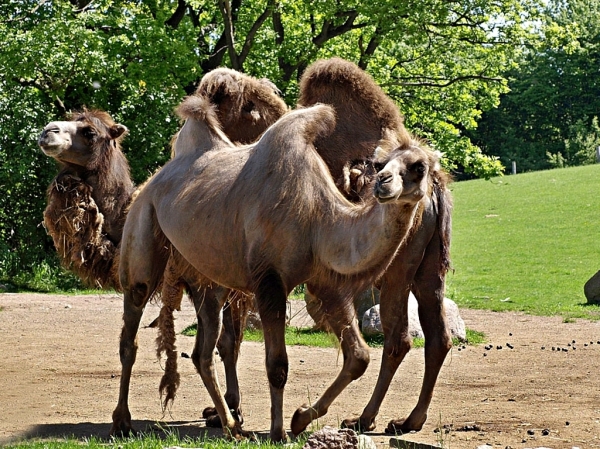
(262, 220)
(85, 221)
(422, 262)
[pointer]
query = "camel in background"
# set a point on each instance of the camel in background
(88, 202)
(262, 219)
(365, 116)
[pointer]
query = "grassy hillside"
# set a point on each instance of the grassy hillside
(527, 242)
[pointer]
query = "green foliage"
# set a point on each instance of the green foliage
(547, 119)
(526, 242)
(442, 62)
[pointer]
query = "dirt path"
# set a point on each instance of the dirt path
(59, 375)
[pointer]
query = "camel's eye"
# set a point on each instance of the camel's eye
(419, 167)
(378, 166)
(88, 132)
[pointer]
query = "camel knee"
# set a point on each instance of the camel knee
(359, 362)
(277, 372)
(397, 350)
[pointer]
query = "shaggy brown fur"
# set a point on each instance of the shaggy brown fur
(88, 198)
(247, 105)
(367, 115)
(262, 220)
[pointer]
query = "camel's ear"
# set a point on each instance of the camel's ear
(437, 157)
(384, 148)
(118, 130)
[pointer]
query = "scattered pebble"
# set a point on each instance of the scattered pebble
(508, 345)
(546, 432)
(185, 355)
(530, 432)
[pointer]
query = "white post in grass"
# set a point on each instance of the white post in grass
(514, 167)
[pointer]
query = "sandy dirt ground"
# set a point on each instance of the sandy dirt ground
(59, 375)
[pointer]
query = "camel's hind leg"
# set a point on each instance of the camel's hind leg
(209, 302)
(340, 316)
(271, 298)
(235, 314)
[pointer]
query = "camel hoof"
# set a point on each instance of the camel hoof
(121, 430)
(213, 420)
(357, 425)
(401, 426)
(238, 434)
(301, 419)
(208, 412)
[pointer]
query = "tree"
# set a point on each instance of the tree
(554, 95)
(441, 61)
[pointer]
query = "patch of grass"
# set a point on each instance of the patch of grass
(527, 242)
(310, 337)
(149, 441)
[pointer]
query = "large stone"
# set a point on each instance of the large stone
(371, 322)
(592, 289)
(362, 303)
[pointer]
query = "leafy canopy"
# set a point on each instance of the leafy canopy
(441, 61)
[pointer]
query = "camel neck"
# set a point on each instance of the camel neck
(366, 240)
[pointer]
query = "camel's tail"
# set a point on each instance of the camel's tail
(172, 293)
(443, 204)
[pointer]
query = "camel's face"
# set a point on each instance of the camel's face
(67, 142)
(72, 142)
(404, 177)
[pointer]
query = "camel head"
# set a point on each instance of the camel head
(403, 174)
(78, 141)
(245, 106)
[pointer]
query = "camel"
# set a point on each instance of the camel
(88, 201)
(366, 115)
(261, 219)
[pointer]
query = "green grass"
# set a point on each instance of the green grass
(150, 441)
(311, 337)
(527, 242)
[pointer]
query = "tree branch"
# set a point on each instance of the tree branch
(328, 31)
(255, 27)
(178, 15)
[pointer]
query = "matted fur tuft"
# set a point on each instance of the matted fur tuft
(75, 224)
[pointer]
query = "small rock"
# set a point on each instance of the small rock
(530, 432)
(332, 438)
(546, 432)
(185, 355)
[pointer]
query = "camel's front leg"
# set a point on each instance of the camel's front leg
(271, 297)
(429, 291)
(209, 303)
(134, 304)
(341, 317)
(397, 343)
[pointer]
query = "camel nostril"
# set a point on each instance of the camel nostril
(384, 177)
